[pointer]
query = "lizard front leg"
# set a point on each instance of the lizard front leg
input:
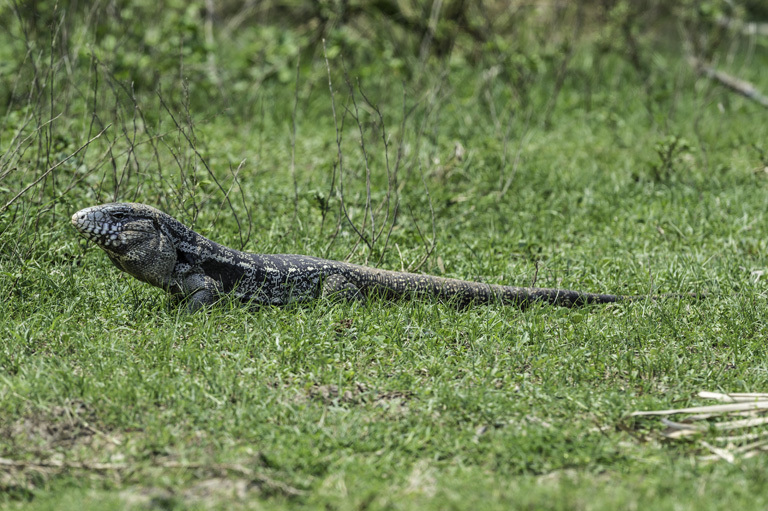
(201, 290)
(194, 286)
(337, 286)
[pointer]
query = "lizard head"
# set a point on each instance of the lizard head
(133, 237)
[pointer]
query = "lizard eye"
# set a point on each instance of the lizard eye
(118, 214)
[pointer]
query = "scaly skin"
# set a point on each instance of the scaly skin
(158, 249)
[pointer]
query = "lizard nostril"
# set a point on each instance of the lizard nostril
(79, 220)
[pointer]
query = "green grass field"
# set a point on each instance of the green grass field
(601, 179)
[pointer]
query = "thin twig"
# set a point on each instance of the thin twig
(392, 191)
(200, 157)
(339, 153)
(429, 247)
(368, 210)
(54, 167)
(293, 141)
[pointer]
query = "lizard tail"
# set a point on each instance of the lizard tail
(561, 297)
(569, 298)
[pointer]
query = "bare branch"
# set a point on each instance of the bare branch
(745, 28)
(737, 85)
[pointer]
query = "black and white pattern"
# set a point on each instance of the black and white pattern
(156, 248)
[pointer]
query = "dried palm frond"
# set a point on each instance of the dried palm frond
(740, 424)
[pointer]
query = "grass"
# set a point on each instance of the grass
(113, 397)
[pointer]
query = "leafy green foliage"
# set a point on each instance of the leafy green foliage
(527, 156)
